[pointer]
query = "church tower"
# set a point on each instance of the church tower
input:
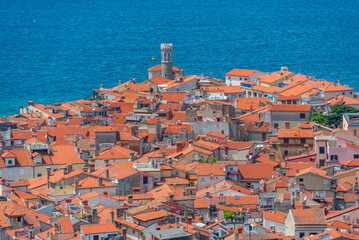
(166, 60)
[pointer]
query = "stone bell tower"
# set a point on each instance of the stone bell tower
(166, 60)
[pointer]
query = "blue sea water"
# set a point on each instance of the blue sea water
(60, 50)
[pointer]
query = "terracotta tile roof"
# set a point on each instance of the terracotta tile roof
(98, 228)
(308, 216)
(216, 134)
(349, 197)
(165, 190)
(22, 156)
(139, 87)
(274, 76)
(116, 152)
(205, 169)
(236, 145)
(174, 97)
(66, 225)
(295, 167)
(289, 108)
(159, 68)
(339, 224)
(207, 145)
(256, 171)
(161, 81)
(241, 72)
(64, 154)
(338, 213)
(295, 133)
(240, 201)
(343, 186)
(131, 225)
(151, 215)
(91, 182)
(314, 170)
(351, 163)
(341, 100)
(176, 181)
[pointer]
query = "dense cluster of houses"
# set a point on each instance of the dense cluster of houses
(184, 157)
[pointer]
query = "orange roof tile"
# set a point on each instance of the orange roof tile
(98, 228)
(241, 72)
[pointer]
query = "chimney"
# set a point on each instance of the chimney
(134, 131)
(69, 168)
(107, 173)
(64, 170)
(222, 131)
(92, 167)
(107, 162)
(240, 229)
(112, 215)
(100, 182)
(272, 157)
(130, 199)
(287, 125)
(76, 188)
(68, 203)
(199, 118)
(190, 220)
(94, 216)
(170, 161)
(132, 156)
(207, 194)
(85, 203)
(30, 233)
(30, 103)
(85, 169)
(179, 146)
(124, 230)
(264, 187)
(48, 173)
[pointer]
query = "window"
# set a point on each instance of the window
(61, 187)
(356, 155)
(301, 180)
(321, 162)
(302, 140)
(95, 237)
(10, 172)
(351, 93)
(275, 125)
(325, 182)
(22, 171)
(177, 173)
(39, 175)
(333, 157)
(145, 180)
(202, 179)
(343, 93)
(286, 140)
(209, 139)
(18, 219)
(285, 153)
(321, 150)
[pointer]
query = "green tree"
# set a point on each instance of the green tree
(334, 117)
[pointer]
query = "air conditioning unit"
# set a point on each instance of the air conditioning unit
(345, 216)
(272, 228)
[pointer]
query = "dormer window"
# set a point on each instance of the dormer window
(10, 162)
